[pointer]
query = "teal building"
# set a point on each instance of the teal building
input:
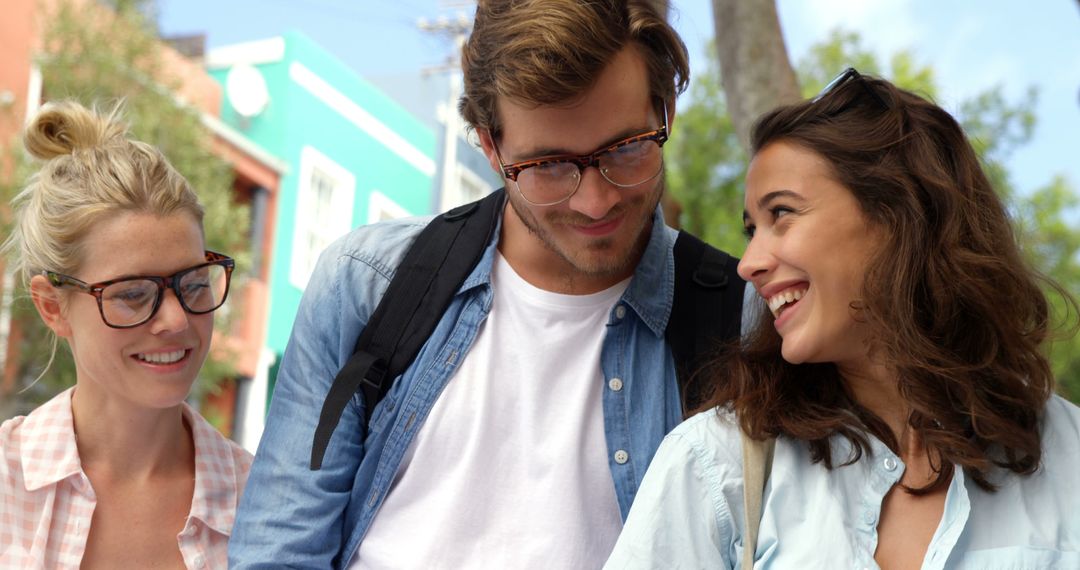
(353, 155)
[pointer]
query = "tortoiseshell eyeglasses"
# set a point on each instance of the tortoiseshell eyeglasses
(551, 180)
(131, 301)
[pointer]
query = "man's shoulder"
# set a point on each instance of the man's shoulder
(385, 236)
(380, 246)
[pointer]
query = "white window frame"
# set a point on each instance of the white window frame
(469, 179)
(381, 208)
(336, 214)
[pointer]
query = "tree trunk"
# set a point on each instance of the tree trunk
(754, 65)
(672, 208)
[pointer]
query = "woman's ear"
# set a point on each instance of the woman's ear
(47, 301)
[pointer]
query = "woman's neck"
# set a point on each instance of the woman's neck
(126, 441)
(875, 388)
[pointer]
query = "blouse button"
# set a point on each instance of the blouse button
(890, 464)
(199, 561)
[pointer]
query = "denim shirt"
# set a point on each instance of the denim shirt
(293, 516)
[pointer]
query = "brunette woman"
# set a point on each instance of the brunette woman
(900, 365)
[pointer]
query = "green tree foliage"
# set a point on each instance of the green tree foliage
(706, 168)
(1050, 236)
(99, 59)
(706, 165)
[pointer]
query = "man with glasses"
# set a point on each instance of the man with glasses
(519, 435)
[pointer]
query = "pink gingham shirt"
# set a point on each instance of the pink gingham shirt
(46, 500)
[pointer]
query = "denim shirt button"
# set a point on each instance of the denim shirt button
(615, 384)
(621, 457)
(620, 312)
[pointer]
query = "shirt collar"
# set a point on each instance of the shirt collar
(49, 454)
(481, 274)
(47, 444)
(216, 482)
(651, 290)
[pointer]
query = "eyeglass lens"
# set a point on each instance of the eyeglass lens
(132, 301)
(627, 165)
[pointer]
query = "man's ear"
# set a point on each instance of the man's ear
(48, 304)
(487, 144)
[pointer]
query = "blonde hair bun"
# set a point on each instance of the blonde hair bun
(90, 170)
(63, 127)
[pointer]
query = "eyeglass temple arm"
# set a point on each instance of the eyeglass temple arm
(61, 280)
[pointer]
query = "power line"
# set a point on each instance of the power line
(457, 28)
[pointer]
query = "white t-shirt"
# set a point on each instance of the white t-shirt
(510, 469)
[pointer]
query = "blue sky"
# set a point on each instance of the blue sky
(973, 45)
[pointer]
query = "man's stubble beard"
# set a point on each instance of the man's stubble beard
(617, 265)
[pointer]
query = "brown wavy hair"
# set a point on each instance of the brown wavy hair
(548, 52)
(953, 309)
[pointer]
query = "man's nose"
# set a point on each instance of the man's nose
(595, 196)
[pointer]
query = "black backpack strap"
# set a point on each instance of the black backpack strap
(706, 311)
(409, 311)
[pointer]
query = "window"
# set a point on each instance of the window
(324, 206)
(381, 207)
(472, 187)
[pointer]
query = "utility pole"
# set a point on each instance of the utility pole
(456, 29)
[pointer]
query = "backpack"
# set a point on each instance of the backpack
(707, 308)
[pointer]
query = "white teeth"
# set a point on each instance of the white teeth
(162, 357)
(777, 302)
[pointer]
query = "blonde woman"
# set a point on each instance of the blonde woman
(116, 472)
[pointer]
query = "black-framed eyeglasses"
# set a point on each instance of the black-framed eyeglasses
(551, 180)
(131, 301)
(848, 75)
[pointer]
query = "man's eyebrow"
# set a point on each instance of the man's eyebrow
(545, 152)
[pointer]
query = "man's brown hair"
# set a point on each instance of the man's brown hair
(954, 311)
(550, 52)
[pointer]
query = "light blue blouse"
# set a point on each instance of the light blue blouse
(689, 510)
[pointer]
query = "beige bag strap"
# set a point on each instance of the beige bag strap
(757, 463)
